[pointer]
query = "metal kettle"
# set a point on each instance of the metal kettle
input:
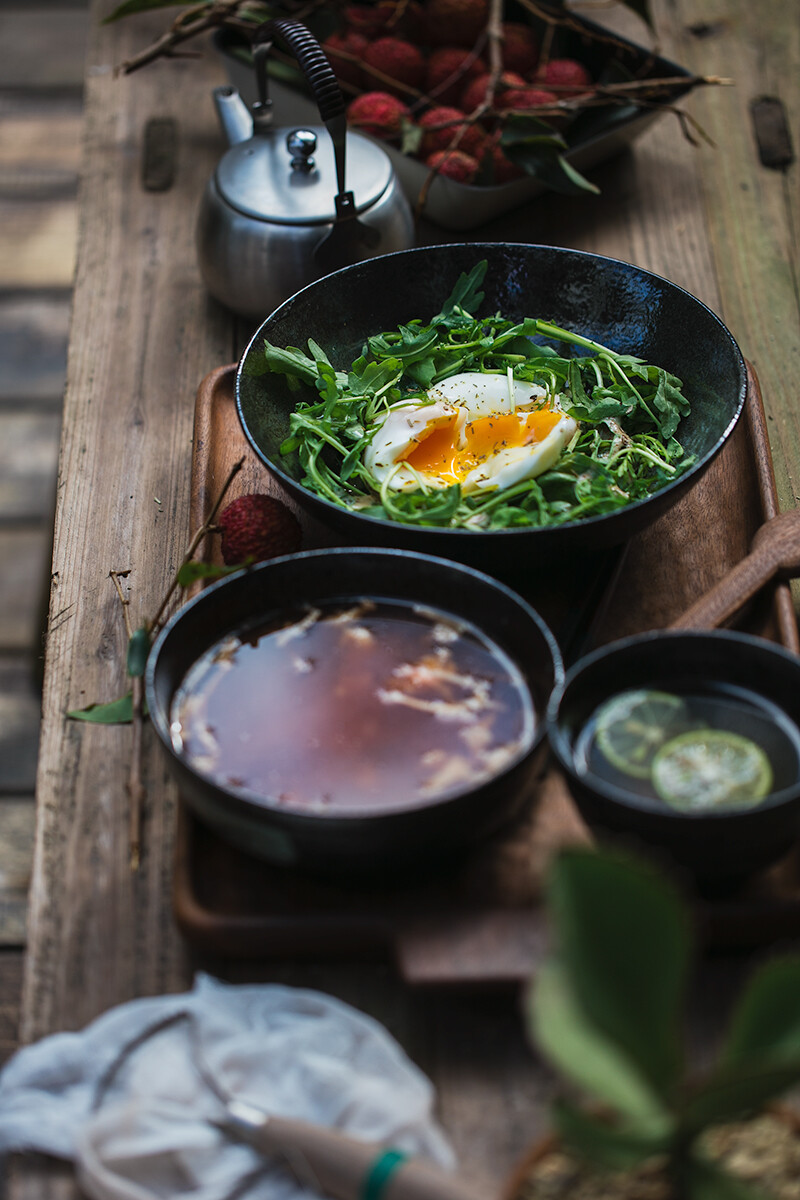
(277, 213)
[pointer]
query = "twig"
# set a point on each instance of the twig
(136, 791)
(155, 625)
(182, 29)
(136, 794)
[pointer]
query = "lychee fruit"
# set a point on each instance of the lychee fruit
(441, 125)
(455, 22)
(475, 92)
(503, 169)
(565, 76)
(447, 72)
(391, 58)
(257, 527)
(527, 97)
(520, 49)
(374, 20)
(353, 46)
(454, 164)
(378, 113)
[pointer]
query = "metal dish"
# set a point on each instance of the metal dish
(595, 136)
(619, 305)
(364, 841)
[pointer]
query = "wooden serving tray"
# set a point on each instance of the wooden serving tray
(483, 922)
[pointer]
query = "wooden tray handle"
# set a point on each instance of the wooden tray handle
(776, 551)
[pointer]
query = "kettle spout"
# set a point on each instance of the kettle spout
(234, 116)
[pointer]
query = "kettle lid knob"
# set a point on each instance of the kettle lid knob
(301, 144)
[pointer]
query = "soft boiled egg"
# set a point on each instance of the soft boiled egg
(481, 431)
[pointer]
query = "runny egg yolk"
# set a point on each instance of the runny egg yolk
(450, 453)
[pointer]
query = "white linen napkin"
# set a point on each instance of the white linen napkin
(126, 1100)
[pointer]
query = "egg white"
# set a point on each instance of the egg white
(457, 401)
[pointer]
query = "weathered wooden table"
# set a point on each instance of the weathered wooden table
(144, 333)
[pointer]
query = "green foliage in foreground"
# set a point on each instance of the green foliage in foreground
(607, 1011)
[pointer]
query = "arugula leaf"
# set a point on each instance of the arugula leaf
(465, 295)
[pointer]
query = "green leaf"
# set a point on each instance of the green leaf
(732, 1092)
(614, 1147)
(192, 571)
(706, 1181)
(533, 145)
(465, 295)
(561, 1031)
(625, 943)
(766, 1021)
(116, 712)
(131, 7)
(138, 650)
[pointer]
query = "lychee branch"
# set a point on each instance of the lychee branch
(136, 792)
(154, 626)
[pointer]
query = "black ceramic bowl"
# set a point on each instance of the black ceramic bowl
(366, 841)
(619, 305)
(716, 848)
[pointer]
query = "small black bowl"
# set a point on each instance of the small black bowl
(617, 304)
(716, 849)
(367, 841)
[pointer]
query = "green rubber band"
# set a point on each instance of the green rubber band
(380, 1173)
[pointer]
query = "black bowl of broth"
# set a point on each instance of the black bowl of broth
(354, 711)
(686, 744)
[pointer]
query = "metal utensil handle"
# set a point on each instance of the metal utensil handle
(311, 60)
(347, 1168)
(319, 76)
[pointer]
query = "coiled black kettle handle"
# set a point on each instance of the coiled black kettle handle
(310, 58)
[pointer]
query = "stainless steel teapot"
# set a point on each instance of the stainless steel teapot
(277, 214)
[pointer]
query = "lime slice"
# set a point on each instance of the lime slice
(632, 726)
(710, 767)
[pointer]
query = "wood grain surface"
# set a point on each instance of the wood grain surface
(712, 219)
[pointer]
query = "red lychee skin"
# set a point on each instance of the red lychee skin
(257, 527)
(454, 64)
(565, 77)
(372, 20)
(396, 59)
(529, 97)
(455, 22)
(378, 113)
(351, 43)
(454, 164)
(503, 169)
(441, 126)
(475, 92)
(520, 49)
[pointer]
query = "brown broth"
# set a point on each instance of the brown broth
(367, 706)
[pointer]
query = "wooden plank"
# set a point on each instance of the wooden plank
(17, 818)
(40, 152)
(28, 459)
(42, 47)
(23, 590)
(143, 334)
(37, 243)
(11, 967)
(753, 211)
(19, 725)
(33, 347)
